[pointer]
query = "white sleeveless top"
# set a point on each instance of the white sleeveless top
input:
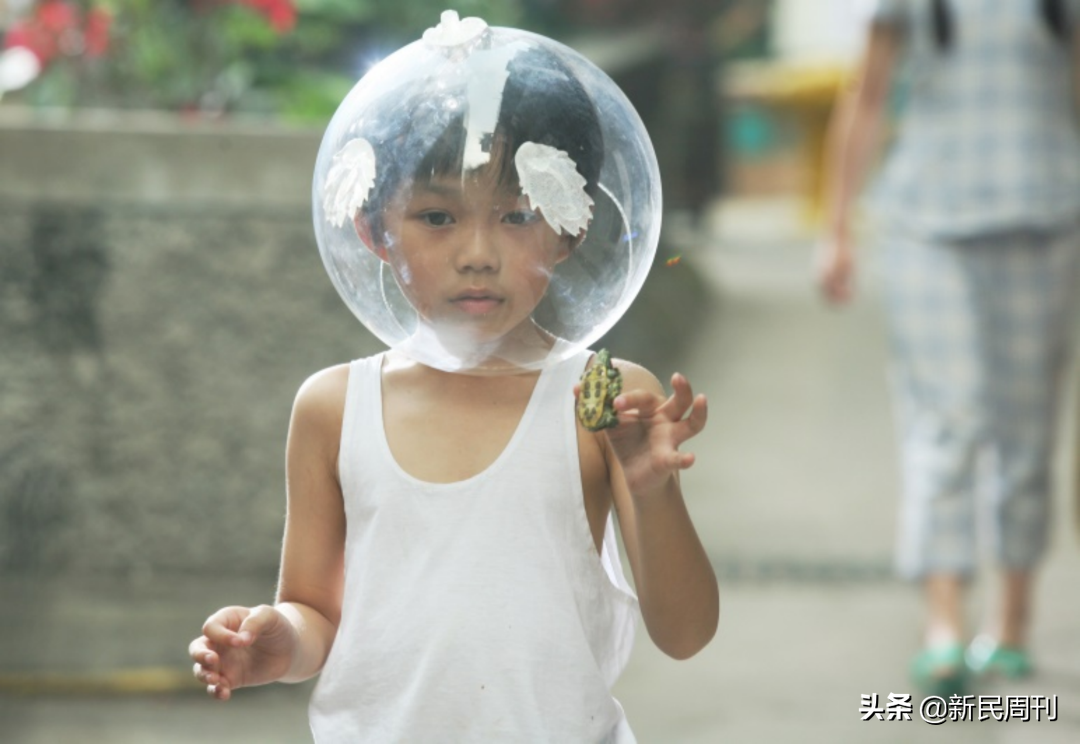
(475, 611)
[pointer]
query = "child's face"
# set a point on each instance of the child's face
(471, 256)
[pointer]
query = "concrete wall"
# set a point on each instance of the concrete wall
(161, 300)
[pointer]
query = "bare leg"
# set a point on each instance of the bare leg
(939, 668)
(1015, 609)
(945, 609)
(1001, 650)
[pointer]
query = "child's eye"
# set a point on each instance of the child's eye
(521, 217)
(436, 218)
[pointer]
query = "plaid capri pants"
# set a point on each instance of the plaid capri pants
(980, 331)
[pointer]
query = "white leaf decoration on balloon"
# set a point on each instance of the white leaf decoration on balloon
(453, 31)
(550, 180)
(348, 181)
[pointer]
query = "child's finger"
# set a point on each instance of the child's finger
(699, 414)
(219, 627)
(200, 653)
(681, 398)
(641, 400)
(220, 691)
(206, 676)
(219, 634)
(675, 460)
(255, 623)
(694, 423)
(198, 648)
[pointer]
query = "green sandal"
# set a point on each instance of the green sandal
(940, 670)
(985, 657)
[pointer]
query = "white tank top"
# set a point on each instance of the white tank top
(475, 611)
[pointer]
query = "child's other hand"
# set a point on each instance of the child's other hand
(651, 429)
(242, 647)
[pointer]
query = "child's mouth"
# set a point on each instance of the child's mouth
(476, 303)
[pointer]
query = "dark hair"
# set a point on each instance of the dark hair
(1056, 17)
(941, 25)
(424, 136)
(943, 29)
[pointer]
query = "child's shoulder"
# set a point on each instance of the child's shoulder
(636, 376)
(329, 381)
(321, 397)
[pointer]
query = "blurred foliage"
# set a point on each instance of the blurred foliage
(336, 41)
(294, 59)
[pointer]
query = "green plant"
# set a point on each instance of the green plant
(290, 58)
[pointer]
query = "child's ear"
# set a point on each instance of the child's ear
(363, 231)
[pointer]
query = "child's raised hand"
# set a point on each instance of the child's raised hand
(242, 647)
(651, 429)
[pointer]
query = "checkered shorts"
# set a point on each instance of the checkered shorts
(980, 333)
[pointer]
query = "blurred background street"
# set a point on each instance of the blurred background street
(161, 299)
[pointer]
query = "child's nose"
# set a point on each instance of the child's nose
(478, 251)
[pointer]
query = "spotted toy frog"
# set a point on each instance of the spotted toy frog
(600, 385)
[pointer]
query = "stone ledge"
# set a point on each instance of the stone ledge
(153, 158)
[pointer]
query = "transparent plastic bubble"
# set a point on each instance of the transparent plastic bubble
(486, 200)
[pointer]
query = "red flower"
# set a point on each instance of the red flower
(56, 16)
(56, 28)
(23, 35)
(96, 32)
(40, 35)
(280, 13)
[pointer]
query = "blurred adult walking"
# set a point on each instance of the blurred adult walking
(978, 231)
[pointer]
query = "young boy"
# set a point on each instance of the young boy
(449, 562)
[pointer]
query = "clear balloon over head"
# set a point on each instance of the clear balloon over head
(486, 200)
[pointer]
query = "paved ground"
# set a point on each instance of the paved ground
(794, 494)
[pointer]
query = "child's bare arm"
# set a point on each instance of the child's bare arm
(290, 640)
(313, 553)
(675, 582)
